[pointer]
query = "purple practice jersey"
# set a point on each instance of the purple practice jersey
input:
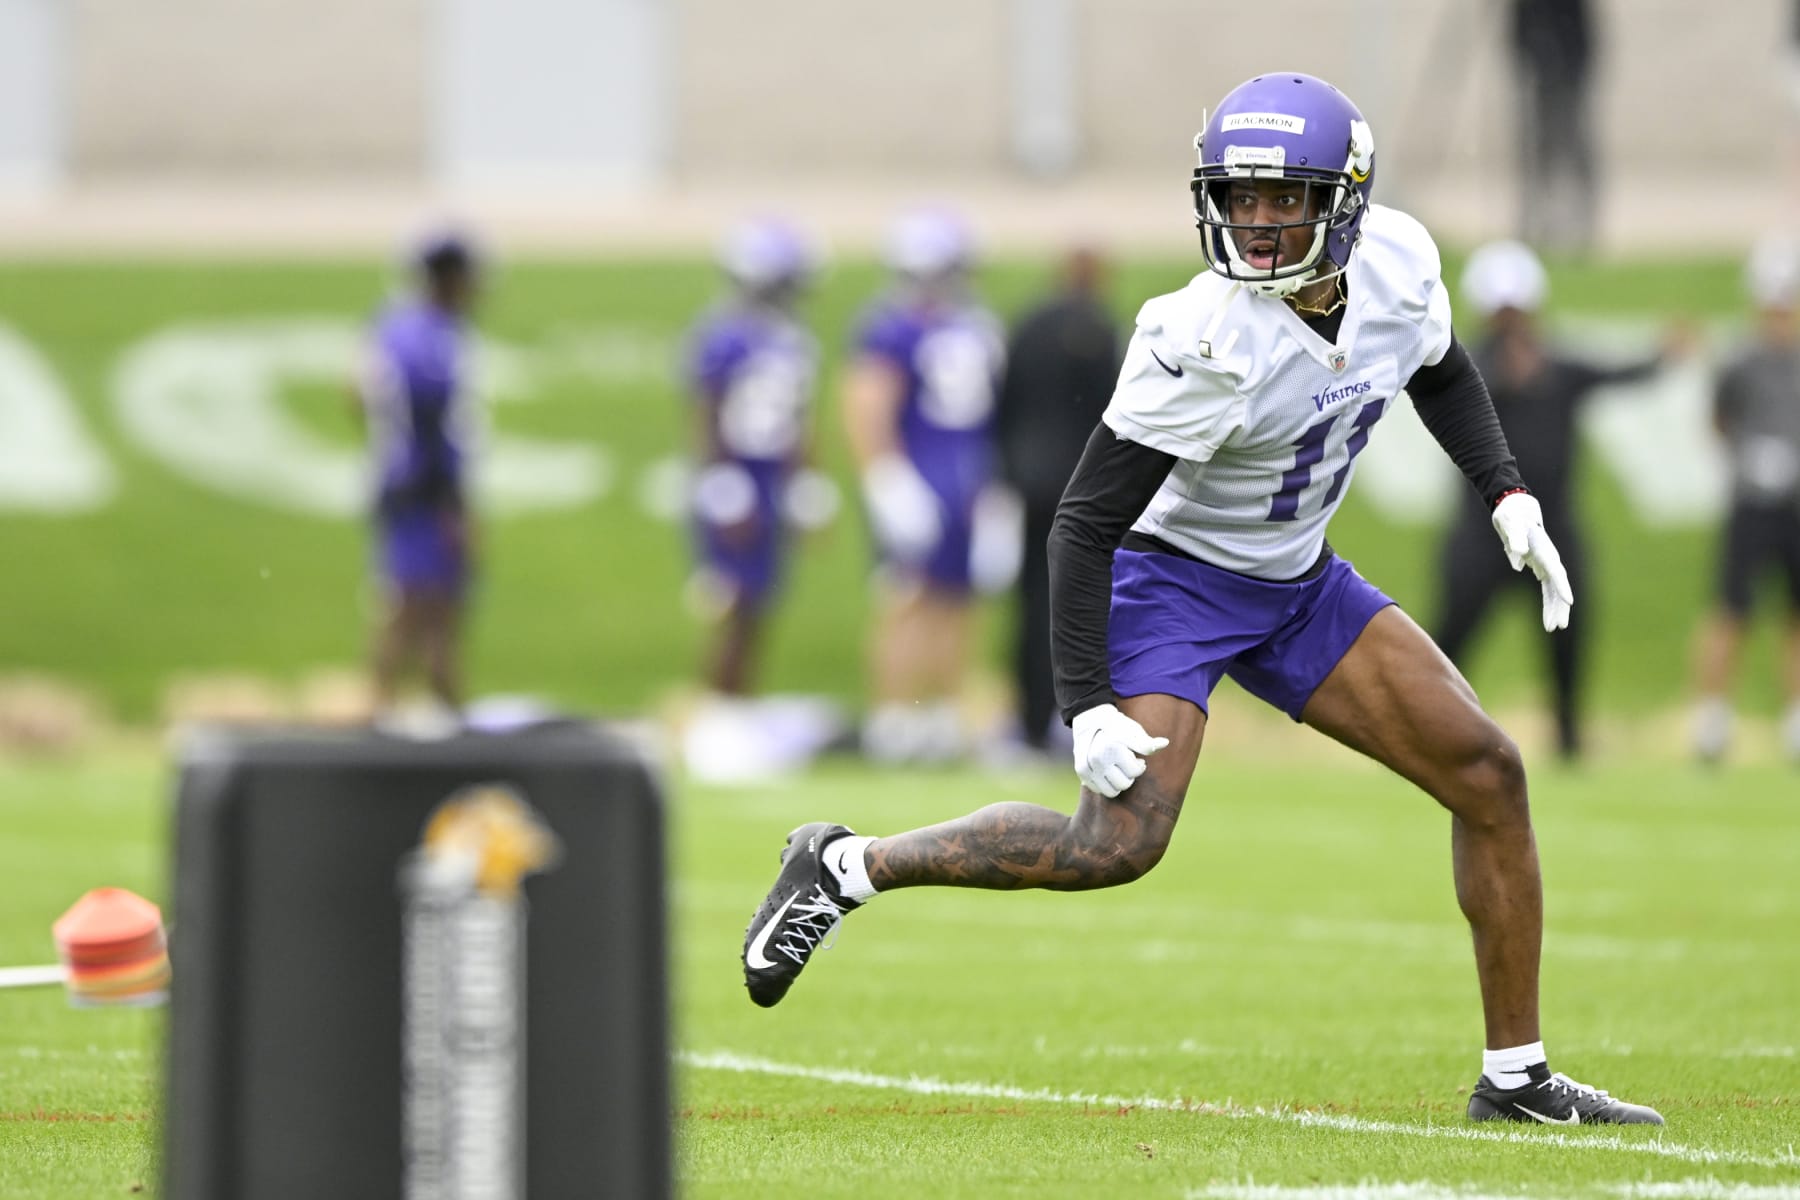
(752, 372)
(949, 360)
(414, 395)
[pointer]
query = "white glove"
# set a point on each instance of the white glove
(902, 507)
(724, 494)
(811, 499)
(1107, 748)
(1520, 523)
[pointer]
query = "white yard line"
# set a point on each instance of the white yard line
(1678, 1189)
(925, 1085)
(1707, 1189)
(20, 977)
(1346, 1191)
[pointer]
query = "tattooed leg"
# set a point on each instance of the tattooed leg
(1015, 845)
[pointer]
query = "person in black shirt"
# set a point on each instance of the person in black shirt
(1061, 366)
(1537, 393)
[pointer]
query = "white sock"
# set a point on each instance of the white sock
(1506, 1068)
(844, 859)
(893, 733)
(1712, 727)
(1790, 731)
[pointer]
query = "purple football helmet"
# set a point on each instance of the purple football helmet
(930, 243)
(1293, 127)
(767, 256)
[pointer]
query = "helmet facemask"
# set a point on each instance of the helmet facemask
(1329, 204)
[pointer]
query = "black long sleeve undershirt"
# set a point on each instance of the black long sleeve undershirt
(1117, 478)
(1453, 403)
(1112, 485)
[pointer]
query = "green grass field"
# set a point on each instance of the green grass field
(1285, 1008)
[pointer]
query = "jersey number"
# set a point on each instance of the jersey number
(1310, 450)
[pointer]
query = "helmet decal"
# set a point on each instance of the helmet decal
(1361, 161)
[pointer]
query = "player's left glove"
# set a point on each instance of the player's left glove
(1519, 520)
(1110, 749)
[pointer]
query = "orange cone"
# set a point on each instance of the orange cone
(113, 949)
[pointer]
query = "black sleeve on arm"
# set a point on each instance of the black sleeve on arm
(1454, 404)
(1592, 375)
(1112, 485)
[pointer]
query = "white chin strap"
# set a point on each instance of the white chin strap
(1280, 288)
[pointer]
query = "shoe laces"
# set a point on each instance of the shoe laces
(1563, 1083)
(810, 922)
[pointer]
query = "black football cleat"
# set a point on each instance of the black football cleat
(800, 911)
(1555, 1100)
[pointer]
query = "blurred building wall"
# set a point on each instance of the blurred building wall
(864, 87)
(330, 88)
(30, 95)
(246, 88)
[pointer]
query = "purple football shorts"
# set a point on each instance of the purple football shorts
(420, 552)
(747, 555)
(1177, 625)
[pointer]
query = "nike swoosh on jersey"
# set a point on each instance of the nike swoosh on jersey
(754, 955)
(1175, 371)
(1574, 1118)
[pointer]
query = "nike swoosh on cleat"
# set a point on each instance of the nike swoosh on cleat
(753, 957)
(1574, 1118)
(1175, 371)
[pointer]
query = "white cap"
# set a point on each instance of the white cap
(1504, 274)
(1772, 273)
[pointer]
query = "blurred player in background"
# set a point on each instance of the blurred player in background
(919, 413)
(1537, 393)
(1190, 544)
(1756, 409)
(415, 399)
(752, 370)
(1061, 364)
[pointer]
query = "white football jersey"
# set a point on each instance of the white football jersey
(1266, 416)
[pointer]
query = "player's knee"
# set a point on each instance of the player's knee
(1492, 783)
(1142, 858)
(1118, 857)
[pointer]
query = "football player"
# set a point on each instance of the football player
(751, 370)
(1756, 409)
(1191, 544)
(414, 396)
(919, 411)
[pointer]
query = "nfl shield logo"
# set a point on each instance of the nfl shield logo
(1338, 359)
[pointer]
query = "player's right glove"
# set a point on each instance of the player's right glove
(1110, 749)
(1519, 520)
(902, 507)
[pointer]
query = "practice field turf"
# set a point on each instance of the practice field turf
(1284, 1010)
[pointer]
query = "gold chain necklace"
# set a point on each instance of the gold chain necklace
(1337, 291)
